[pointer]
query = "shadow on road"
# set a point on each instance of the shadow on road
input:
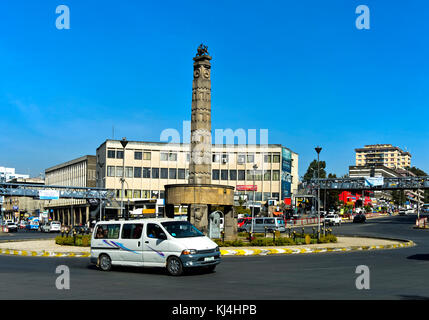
(412, 297)
(424, 257)
(151, 270)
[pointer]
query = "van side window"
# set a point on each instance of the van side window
(132, 231)
(269, 221)
(259, 221)
(153, 230)
(107, 231)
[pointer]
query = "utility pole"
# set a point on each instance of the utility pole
(318, 149)
(255, 166)
(124, 143)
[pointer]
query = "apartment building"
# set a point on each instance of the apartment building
(383, 154)
(148, 166)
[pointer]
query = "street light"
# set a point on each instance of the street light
(124, 143)
(318, 149)
(255, 166)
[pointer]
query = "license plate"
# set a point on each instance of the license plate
(209, 259)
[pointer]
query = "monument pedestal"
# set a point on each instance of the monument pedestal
(200, 200)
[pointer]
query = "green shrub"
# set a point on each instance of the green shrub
(81, 241)
(328, 238)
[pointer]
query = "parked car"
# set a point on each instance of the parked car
(410, 211)
(333, 219)
(402, 211)
(81, 230)
(45, 227)
(242, 221)
(22, 224)
(11, 227)
(359, 218)
(54, 226)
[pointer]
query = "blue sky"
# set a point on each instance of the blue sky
(300, 69)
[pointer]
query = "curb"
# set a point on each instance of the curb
(224, 252)
(51, 254)
(268, 251)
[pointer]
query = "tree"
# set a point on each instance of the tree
(312, 170)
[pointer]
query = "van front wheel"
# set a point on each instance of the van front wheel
(174, 266)
(105, 263)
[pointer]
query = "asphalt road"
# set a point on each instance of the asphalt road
(394, 274)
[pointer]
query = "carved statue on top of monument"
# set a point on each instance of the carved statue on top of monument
(202, 50)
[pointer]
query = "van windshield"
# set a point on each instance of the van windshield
(181, 229)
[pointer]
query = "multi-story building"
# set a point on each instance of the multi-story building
(148, 166)
(17, 208)
(9, 174)
(383, 154)
(79, 172)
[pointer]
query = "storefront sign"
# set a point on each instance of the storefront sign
(247, 188)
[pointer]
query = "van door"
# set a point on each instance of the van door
(131, 242)
(155, 247)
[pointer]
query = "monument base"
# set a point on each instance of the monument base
(201, 200)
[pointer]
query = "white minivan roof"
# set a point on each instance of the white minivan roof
(149, 220)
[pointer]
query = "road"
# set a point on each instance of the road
(394, 274)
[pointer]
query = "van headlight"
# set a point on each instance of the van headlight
(189, 251)
(217, 249)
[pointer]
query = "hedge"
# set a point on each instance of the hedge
(283, 241)
(79, 241)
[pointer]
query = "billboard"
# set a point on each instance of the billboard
(374, 181)
(286, 180)
(246, 187)
(49, 194)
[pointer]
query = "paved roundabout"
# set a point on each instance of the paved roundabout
(395, 274)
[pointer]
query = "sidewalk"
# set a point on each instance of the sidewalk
(48, 248)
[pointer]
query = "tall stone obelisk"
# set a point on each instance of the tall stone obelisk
(199, 195)
(201, 138)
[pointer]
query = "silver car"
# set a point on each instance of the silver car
(262, 224)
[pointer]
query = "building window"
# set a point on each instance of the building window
(164, 173)
(146, 156)
(266, 196)
(224, 174)
(111, 154)
(267, 175)
(154, 194)
(138, 155)
(258, 196)
(224, 158)
(164, 156)
(267, 158)
(215, 174)
(241, 158)
(276, 175)
(181, 174)
(155, 173)
(275, 195)
(137, 172)
(172, 173)
(233, 175)
(145, 194)
(129, 172)
(172, 156)
(137, 194)
(119, 171)
(216, 158)
(250, 158)
(110, 171)
(146, 172)
(241, 175)
(119, 154)
(276, 158)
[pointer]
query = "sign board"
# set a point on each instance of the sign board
(374, 181)
(247, 188)
(49, 194)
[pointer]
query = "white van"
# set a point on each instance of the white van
(169, 243)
